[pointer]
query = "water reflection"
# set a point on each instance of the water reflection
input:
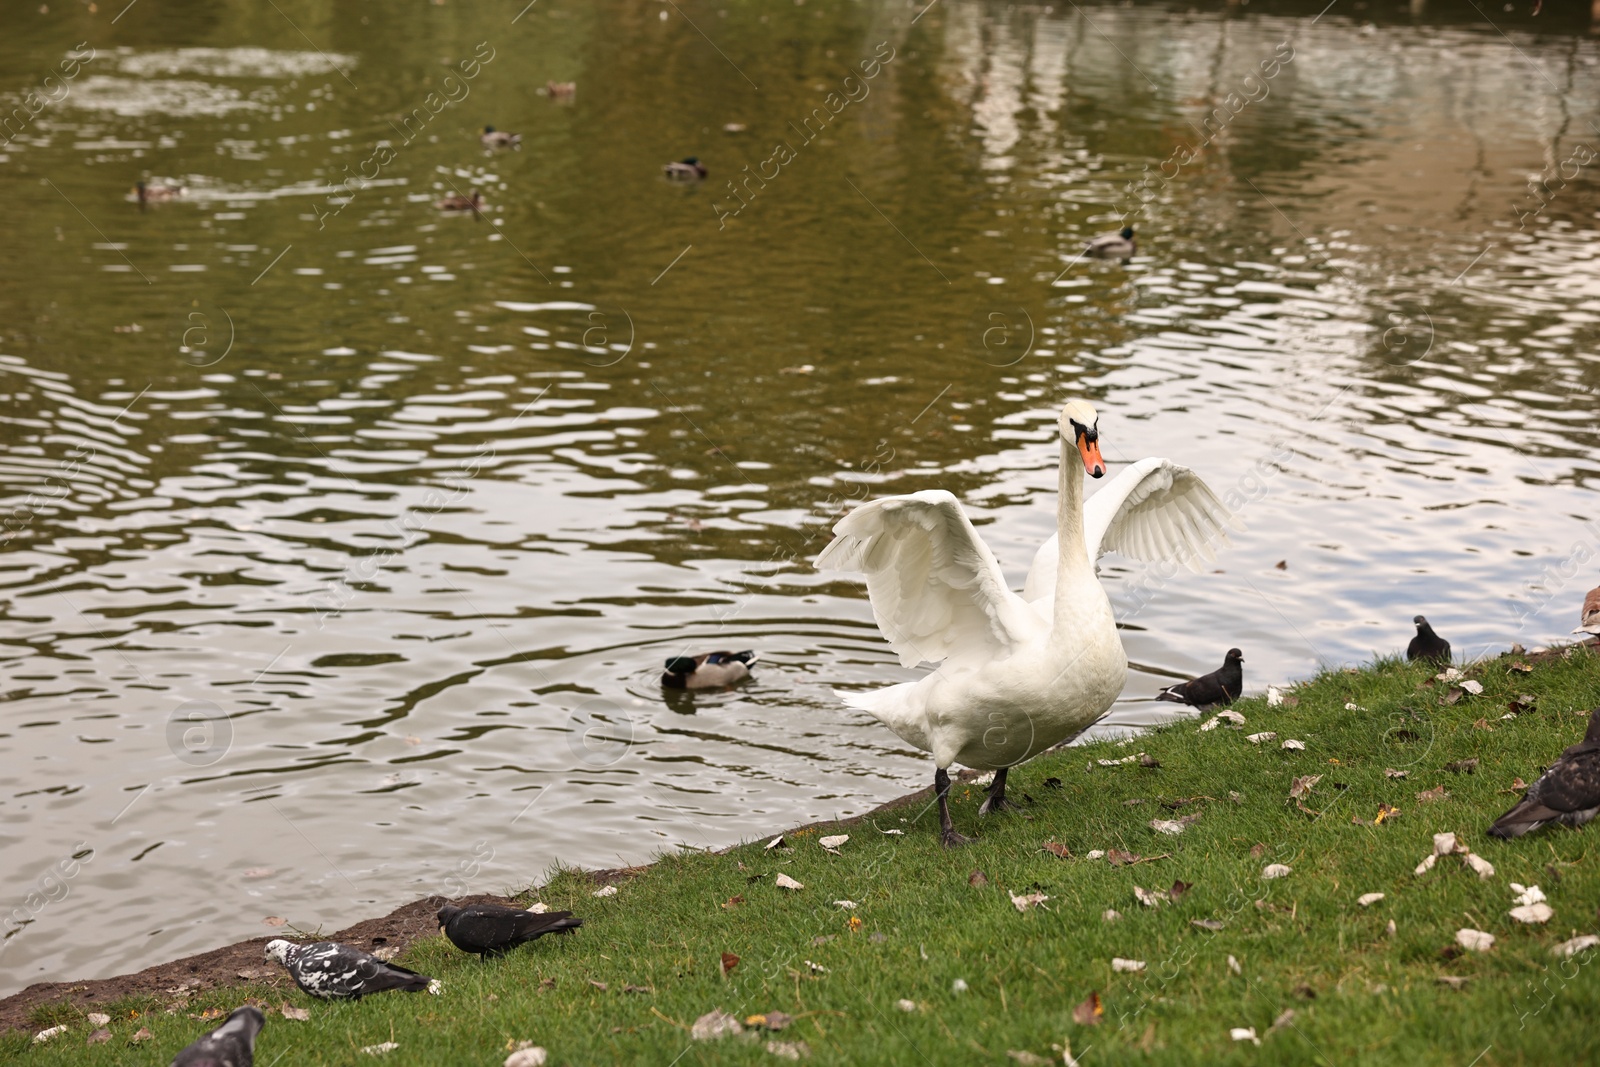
(421, 504)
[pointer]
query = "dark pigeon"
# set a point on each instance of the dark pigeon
(493, 930)
(233, 1044)
(338, 972)
(1428, 645)
(1567, 793)
(708, 671)
(1221, 686)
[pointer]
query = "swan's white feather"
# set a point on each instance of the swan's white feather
(937, 591)
(1155, 510)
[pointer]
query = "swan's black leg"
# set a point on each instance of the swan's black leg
(947, 829)
(996, 800)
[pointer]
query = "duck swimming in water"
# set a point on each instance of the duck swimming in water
(1112, 245)
(711, 670)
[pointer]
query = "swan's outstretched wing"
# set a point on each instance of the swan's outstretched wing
(936, 588)
(1155, 510)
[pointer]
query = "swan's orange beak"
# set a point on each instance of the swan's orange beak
(1093, 465)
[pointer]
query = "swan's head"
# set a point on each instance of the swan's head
(1080, 424)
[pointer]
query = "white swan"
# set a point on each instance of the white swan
(1018, 674)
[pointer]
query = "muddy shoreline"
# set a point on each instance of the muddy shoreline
(243, 962)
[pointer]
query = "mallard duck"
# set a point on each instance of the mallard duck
(708, 671)
(1428, 645)
(1567, 793)
(689, 170)
(493, 138)
(1112, 245)
(561, 90)
(457, 202)
(1589, 618)
(1221, 686)
(1018, 674)
(146, 193)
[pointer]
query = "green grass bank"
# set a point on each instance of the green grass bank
(649, 962)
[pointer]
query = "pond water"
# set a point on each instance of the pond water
(345, 539)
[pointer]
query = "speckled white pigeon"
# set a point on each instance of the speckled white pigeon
(333, 971)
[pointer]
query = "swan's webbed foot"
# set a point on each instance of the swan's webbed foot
(996, 800)
(950, 839)
(993, 803)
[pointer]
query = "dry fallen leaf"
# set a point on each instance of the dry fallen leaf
(729, 962)
(1294, 746)
(383, 1048)
(1483, 724)
(527, 1054)
(1089, 1013)
(713, 1025)
(1146, 897)
(776, 842)
(1256, 739)
(1454, 981)
(1474, 940)
(783, 881)
(1390, 772)
(1438, 792)
(847, 905)
(1568, 949)
(1028, 1059)
(733, 902)
(1385, 814)
(1208, 924)
(1519, 665)
(1483, 867)
(977, 878)
(1058, 850)
(832, 843)
(1244, 1033)
(1111, 915)
(1275, 870)
(141, 1035)
(1463, 766)
(906, 1005)
(100, 1018)
(99, 1036)
(1179, 889)
(1532, 914)
(1303, 785)
(1123, 966)
(1028, 900)
(1167, 826)
(1366, 900)
(602, 986)
(294, 1014)
(605, 891)
(1473, 687)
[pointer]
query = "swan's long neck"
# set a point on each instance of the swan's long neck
(1074, 569)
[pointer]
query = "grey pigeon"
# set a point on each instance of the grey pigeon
(1428, 645)
(1567, 793)
(1221, 686)
(338, 972)
(233, 1044)
(493, 929)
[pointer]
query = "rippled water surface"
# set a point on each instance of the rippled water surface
(408, 508)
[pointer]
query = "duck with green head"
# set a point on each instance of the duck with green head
(1112, 245)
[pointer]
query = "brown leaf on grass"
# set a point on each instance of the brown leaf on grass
(977, 879)
(1146, 897)
(294, 1014)
(1454, 695)
(733, 902)
(1428, 796)
(729, 962)
(1483, 724)
(1523, 703)
(599, 985)
(1390, 772)
(1454, 981)
(1120, 858)
(546, 983)
(1257, 851)
(1463, 766)
(1385, 814)
(1208, 924)
(1058, 850)
(99, 1037)
(1149, 761)
(1179, 889)
(1517, 786)
(141, 1035)
(1303, 785)
(1089, 1013)
(638, 989)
